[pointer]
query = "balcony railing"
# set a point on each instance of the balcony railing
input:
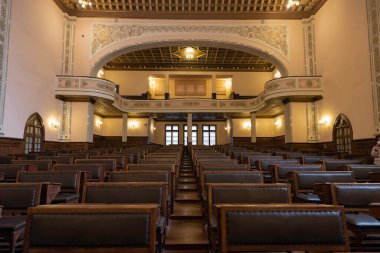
(274, 91)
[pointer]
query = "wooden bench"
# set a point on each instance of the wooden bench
(282, 228)
(361, 171)
(44, 165)
(148, 176)
(252, 160)
(70, 183)
(279, 172)
(132, 193)
(10, 171)
(91, 228)
(241, 194)
(315, 159)
(303, 183)
(58, 159)
(96, 170)
(356, 199)
(333, 165)
(121, 160)
(108, 164)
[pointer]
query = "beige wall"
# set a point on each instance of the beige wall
(98, 125)
(241, 127)
(299, 122)
(137, 82)
(343, 60)
(265, 127)
(79, 119)
(34, 59)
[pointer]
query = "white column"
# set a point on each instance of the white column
(125, 128)
(230, 131)
(150, 129)
(189, 129)
(90, 121)
(253, 127)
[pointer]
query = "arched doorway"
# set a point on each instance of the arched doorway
(34, 133)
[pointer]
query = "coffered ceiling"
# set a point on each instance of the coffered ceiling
(192, 9)
(215, 59)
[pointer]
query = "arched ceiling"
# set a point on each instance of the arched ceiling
(214, 59)
(192, 9)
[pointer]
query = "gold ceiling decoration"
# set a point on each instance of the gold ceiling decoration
(213, 59)
(189, 53)
(193, 9)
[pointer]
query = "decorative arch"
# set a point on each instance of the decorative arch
(342, 134)
(273, 49)
(34, 133)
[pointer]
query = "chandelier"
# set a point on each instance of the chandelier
(84, 3)
(189, 53)
(291, 3)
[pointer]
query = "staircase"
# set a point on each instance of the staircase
(186, 232)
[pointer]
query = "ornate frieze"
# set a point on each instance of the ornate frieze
(68, 45)
(312, 121)
(309, 46)
(106, 34)
(66, 112)
(5, 10)
(373, 12)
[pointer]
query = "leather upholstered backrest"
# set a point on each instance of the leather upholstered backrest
(307, 179)
(356, 195)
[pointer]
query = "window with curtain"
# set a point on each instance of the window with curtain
(209, 135)
(171, 134)
(33, 133)
(194, 134)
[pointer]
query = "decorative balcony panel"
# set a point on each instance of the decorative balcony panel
(275, 91)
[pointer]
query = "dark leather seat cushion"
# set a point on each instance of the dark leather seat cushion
(12, 223)
(65, 198)
(308, 197)
(362, 221)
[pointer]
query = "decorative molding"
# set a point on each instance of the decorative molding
(90, 122)
(288, 125)
(68, 44)
(5, 10)
(373, 12)
(312, 122)
(66, 115)
(309, 46)
(105, 34)
(103, 90)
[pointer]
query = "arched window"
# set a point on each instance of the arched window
(342, 134)
(33, 133)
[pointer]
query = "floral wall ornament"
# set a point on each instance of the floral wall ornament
(105, 34)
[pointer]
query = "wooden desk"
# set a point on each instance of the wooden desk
(374, 210)
(324, 192)
(49, 191)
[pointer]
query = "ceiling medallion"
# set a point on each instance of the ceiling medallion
(189, 53)
(85, 3)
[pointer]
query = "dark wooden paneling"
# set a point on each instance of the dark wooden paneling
(107, 141)
(9, 146)
(137, 140)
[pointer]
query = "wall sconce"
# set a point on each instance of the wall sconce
(228, 83)
(152, 83)
(325, 121)
(100, 73)
(154, 128)
(53, 123)
(247, 124)
(133, 124)
(98, 123)
(277, 74)
(277, 123)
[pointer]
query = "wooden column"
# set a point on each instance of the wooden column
(253, 127)
(189, 129)
(125, 128)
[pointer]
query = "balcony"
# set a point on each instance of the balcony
(305, 88)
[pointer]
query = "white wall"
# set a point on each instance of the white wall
(34, 59)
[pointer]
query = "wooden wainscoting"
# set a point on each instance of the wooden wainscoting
(9, 146)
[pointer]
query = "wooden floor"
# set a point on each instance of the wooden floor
(186, 232)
